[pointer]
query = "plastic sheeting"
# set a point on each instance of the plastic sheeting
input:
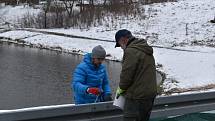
(190, 117)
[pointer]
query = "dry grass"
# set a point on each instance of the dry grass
(182, 90)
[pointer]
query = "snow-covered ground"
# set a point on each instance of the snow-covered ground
(165, 26)
(14, 14)
(81, 46)
(187, 69)
(165, 22)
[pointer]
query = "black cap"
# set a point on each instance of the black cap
(121, 33)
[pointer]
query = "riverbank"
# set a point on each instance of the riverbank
(170, 62)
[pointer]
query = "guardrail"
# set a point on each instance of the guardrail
(164, 106)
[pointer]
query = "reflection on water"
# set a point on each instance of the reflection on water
(33, 77)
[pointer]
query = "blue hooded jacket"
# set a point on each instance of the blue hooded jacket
(87, 75)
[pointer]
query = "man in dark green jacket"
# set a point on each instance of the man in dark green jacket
(137, 78)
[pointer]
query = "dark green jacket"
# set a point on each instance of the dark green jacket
(138, 75)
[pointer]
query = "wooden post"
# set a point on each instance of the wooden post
(186, 29)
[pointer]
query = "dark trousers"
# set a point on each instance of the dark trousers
(137, 110)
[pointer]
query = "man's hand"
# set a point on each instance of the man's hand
(93, 90)
(119, 92)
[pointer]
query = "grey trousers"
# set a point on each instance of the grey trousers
(137, 110)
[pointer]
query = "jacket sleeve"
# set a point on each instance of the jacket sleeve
(129, 65)
(79, 80)
(105, 84)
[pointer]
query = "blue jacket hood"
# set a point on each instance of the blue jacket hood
(87, 75)
(88, 60)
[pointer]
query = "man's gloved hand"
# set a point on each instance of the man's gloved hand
(107, 97)
(93, 90)
(119, 92)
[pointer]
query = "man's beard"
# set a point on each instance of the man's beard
(123, 47)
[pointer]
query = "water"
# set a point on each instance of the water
(32, 77)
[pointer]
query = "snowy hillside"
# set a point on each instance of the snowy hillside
(165, 23)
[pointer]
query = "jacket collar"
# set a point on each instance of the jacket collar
(88, 60)
(130, 40)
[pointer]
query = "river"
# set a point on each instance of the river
(36, 77)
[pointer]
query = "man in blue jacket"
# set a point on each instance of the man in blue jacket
(90, 80)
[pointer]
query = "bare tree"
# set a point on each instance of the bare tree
(80, 1)
(91, 2)
(104, 2)
(130, 1)
(58, 9)
(17, 2)
(46, 8)
(81, 5)
(69, 4)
